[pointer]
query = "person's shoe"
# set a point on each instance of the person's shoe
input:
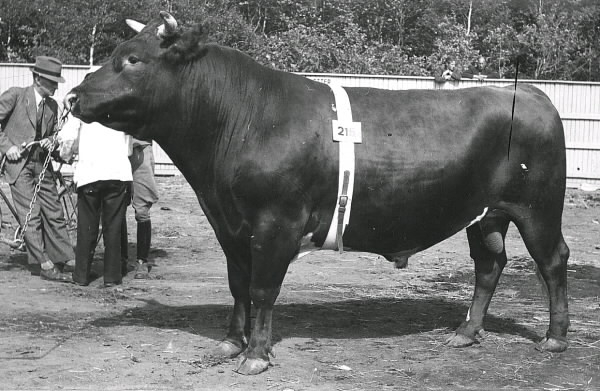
(112, 284)
(127, 267)
(69, 266)
(142, 270)
(54, 274)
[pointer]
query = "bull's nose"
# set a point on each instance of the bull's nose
(70, 100)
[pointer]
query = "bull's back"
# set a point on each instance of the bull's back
(431, 161)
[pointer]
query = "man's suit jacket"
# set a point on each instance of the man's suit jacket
(18, 116)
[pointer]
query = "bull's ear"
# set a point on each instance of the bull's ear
(169, 27)
(135, 26)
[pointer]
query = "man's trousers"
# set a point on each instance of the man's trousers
(106, 200)
(46, 236)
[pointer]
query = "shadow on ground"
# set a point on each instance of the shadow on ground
(15, 261)
(372, 318)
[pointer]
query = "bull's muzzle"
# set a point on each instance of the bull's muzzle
(70, 100)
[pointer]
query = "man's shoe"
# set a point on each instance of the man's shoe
(142, 270)
(55, 275)
(112, 284)
(69, 266)
(127, 267)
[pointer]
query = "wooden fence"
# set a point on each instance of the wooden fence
(577, 102)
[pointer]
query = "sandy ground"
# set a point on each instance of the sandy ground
(342, 322)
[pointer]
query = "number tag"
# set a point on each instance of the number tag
(347, 131)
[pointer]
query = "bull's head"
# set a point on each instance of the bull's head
(128, 92)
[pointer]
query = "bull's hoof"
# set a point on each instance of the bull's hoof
(252, 366)
(549, 344)
(226, 349)
(401, 262)
(459, 341)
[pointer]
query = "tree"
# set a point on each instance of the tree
(327, 41)
(552, 38)
(586, 59)
(502, 46)
(95, 27)
(453, 41)
(549, 45)
(20, 30)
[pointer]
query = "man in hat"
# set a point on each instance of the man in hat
(448, 75)
(480, 71)
(26, 115)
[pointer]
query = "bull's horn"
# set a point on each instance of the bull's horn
(169, 27)
(135, 26)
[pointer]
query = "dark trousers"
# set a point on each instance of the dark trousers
(46, 236)
(107, 200)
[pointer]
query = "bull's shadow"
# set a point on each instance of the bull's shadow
(363, 318)
(366, 318)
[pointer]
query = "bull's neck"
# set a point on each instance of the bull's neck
(241, 93)
(223, 100)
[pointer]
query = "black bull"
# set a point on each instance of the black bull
(256, 146)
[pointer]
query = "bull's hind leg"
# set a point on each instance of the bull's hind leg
(486, 243)
(544, 240)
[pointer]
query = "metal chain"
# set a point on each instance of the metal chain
(20, 238)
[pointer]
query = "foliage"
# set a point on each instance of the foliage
(549, 45)
(452, 41)
(552, 39)
(502, 44)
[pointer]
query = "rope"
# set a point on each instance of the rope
(512, 116)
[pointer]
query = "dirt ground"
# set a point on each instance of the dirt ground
(342, 322)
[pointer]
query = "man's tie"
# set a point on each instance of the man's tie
(39, 120)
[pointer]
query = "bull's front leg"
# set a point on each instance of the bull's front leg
(274, 243)
(238, 272)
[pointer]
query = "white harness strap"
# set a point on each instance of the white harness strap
(347, 133)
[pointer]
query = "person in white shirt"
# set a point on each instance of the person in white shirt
(103, 178)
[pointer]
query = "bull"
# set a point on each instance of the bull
(255, 144)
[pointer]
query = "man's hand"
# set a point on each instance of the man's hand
(46, 143)
(13, 154)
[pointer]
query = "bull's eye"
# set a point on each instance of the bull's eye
(133, 60)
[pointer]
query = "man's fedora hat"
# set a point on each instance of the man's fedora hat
(48, 68)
